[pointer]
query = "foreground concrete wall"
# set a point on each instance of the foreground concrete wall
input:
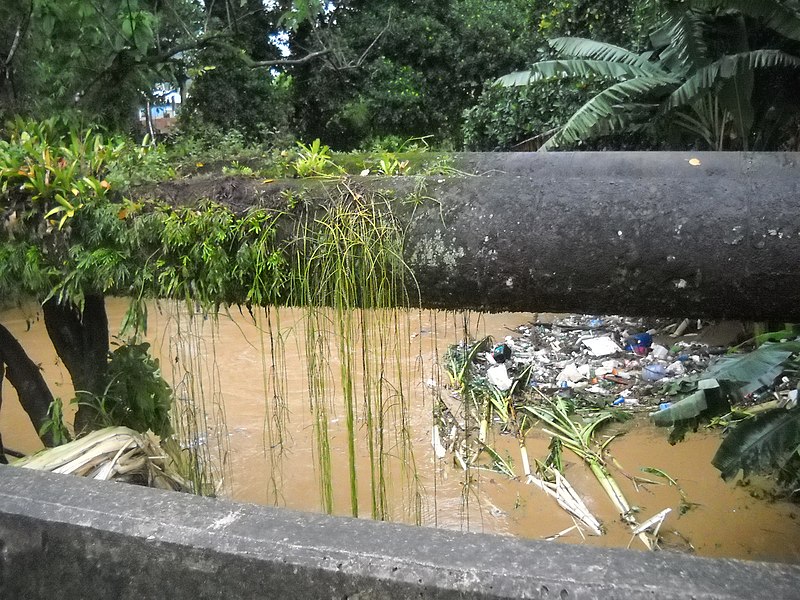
(68, 538)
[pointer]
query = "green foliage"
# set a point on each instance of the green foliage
(766, 443)
(237, 168)
(54, 425)
(59, 172)
(607, 20)
(313, 160)
(136, 396)
(389, 164)
(420, 66)
(237, 97)
(679, 77)
(204, 148)
(145, 163)
(97, 58)
(506, 116)
(208, 254)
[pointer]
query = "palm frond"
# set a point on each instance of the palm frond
(763, 443)
(688, 39)
(584, 48)
(517, 78)
(709, 77)
(605, 112)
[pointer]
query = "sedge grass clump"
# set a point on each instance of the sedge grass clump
(351, 278)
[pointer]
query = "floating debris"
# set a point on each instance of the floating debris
(578, 371)
(113, 453)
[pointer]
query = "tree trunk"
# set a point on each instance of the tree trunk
(3, 459)
(25, 376)
(81, 341)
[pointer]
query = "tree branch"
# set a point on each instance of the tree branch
(375, 41)
(288, 61)
(23, 26)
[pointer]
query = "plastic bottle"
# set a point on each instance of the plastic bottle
(654, 372)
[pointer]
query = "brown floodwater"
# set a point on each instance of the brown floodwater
(249, 373)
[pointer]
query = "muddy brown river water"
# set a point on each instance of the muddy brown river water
(236, 364)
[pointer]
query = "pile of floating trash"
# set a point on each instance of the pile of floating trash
(616, 361)
(570, 376)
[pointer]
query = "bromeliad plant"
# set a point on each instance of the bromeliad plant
(314, 160)
(58, 171)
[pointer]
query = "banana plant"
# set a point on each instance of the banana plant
(768, 442)
(681, 79)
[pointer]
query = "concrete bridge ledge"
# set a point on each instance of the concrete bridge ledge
(65, 537)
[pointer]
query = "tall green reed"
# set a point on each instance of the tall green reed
(352, 282)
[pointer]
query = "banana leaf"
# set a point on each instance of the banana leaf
(688, 408)
(707, 396)
(756, 369)
(761, 444)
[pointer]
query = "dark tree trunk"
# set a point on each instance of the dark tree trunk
(25, 376)
(3, 459)
(81, 341)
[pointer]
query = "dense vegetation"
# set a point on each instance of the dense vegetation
(390, 77)
(354, 73)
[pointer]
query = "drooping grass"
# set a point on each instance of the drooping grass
(198, 417)
(350, 277)
(275, 389)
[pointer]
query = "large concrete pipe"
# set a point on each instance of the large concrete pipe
(638, 233)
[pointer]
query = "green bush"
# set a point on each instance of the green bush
(504, 117)
(137, 396)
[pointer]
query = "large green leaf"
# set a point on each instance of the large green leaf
(755, 369)
(688, 50)
(584, 48)
(760, 444)
(727, 67)
(577, 67)
(773, 14)
(605, 111)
